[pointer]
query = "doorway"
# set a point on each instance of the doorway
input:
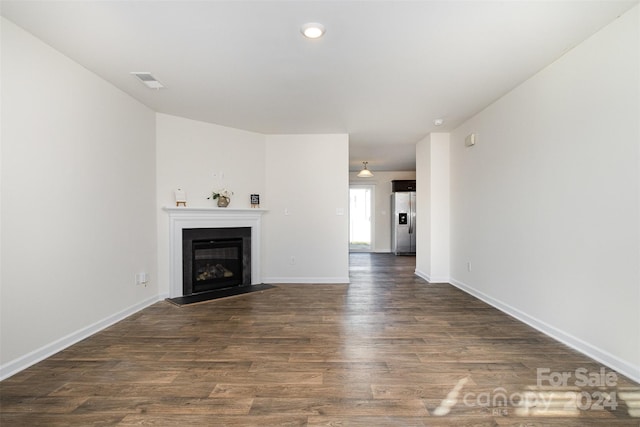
(361, 218)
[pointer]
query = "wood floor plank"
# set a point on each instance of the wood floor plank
(341, 407)
(354, 390)
(59, 420)
(217, 420)
(389, 349)
(164, 405)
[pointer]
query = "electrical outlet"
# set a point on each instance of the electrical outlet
(469, 266)
(292, 260)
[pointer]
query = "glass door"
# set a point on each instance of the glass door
(361, 218)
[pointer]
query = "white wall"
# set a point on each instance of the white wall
(199, 158)
(546, 206)
(308, 176)
(382, 210)
(432, 241)
(78, 201)
(423, 208)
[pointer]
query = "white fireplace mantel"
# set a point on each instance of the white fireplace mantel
(183, 217)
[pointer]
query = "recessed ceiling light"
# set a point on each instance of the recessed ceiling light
(438, 122)
(312, 30)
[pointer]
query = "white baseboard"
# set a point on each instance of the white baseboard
(306, 280)
(430, 279)
(23, 362)
(622, 366)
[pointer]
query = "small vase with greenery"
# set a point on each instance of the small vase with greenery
(223, 196)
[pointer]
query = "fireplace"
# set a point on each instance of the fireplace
(183, 218)
(215, 258)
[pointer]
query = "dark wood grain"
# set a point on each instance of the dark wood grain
(389, 349)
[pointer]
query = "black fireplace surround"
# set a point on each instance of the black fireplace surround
(215, 258)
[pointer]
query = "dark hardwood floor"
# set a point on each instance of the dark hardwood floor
(387, 350)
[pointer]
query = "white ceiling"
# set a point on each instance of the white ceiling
(382, 73)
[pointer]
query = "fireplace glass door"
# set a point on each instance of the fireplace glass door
(216, 264)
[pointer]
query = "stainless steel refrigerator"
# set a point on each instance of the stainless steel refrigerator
(403, 223)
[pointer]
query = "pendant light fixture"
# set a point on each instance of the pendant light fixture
(365, 173)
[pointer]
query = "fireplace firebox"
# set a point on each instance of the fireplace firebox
(215, 258)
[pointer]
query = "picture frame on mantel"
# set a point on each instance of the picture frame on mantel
(255, 200)
(181, 197)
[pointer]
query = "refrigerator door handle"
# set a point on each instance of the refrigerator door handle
(411, 219)
(414, 205)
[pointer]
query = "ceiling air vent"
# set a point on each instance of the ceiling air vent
(148, 80)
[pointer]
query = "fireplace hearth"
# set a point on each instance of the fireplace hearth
(215, 258)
